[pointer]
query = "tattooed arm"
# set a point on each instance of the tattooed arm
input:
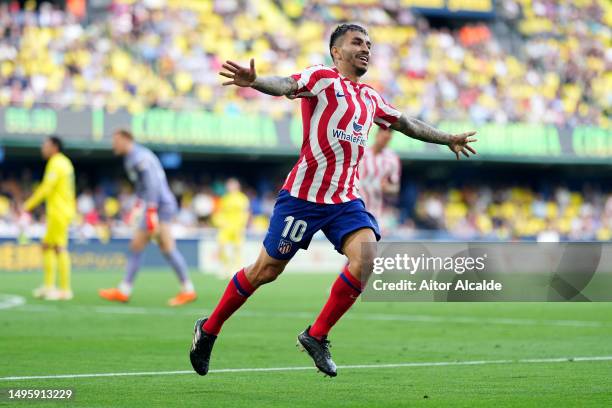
(247, 77)
(422, 131)
(275, 85)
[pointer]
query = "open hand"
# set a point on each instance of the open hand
(239, 75)
(460, 143)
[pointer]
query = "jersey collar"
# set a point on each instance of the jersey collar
(357, 84)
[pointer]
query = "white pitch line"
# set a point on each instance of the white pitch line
(345, 367)
(11, 301)
(481, 320)
(131, 310)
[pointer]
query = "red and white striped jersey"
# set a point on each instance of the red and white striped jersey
(374, 170)
(337, 114)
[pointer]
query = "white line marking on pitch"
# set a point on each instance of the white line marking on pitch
(346, 367)
(11, 301)
(131, 310)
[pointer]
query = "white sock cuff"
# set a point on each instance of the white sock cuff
(125, 288)
(188, 286)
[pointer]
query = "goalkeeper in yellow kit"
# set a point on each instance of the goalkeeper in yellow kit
(231, 218)
(57, 190)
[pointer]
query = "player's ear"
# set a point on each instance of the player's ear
(336, 54)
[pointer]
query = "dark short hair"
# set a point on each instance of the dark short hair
(125, 133)
(57, 142)
(340, 31)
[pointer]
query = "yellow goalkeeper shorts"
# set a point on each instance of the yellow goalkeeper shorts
(57, 232)
(233, 236)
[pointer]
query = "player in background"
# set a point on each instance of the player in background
(145, 171)
(231, 219)
(57, 190)
(379, 173)
(320, 191)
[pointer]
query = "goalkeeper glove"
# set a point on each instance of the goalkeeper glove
(151, 219)
(23, 222)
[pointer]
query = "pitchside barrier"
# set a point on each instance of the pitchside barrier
(89, 255)
(203, 254)
(320, 257)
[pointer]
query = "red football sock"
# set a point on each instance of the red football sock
(345, 291)
(237, 292)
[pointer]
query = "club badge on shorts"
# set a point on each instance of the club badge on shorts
(284, 246)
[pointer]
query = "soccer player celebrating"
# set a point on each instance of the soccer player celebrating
(320, 191)
(57, 190)
(231, 218)
(145, 171)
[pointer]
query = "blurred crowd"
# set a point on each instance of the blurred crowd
(471, 212)
(166, 53)
(517, 212)
(111, 208)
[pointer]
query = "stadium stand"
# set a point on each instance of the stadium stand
(167, 54)
(553, 67)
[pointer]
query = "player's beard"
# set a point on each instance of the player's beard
(360, 71)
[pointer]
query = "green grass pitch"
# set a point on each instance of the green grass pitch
(90, 336)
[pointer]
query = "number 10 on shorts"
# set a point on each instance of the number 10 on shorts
(294, 228)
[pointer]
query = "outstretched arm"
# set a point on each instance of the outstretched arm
(42, 191)
(422, 131)
(247, 77)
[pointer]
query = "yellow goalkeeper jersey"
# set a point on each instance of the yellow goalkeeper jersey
(57, 188)
(233, 210)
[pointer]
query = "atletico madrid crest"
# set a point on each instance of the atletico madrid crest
(284, 246)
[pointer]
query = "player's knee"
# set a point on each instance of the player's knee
(166, 248)
(136, 247)
(166, 241)
(139, 243)
(361, 267)
(264, 273)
